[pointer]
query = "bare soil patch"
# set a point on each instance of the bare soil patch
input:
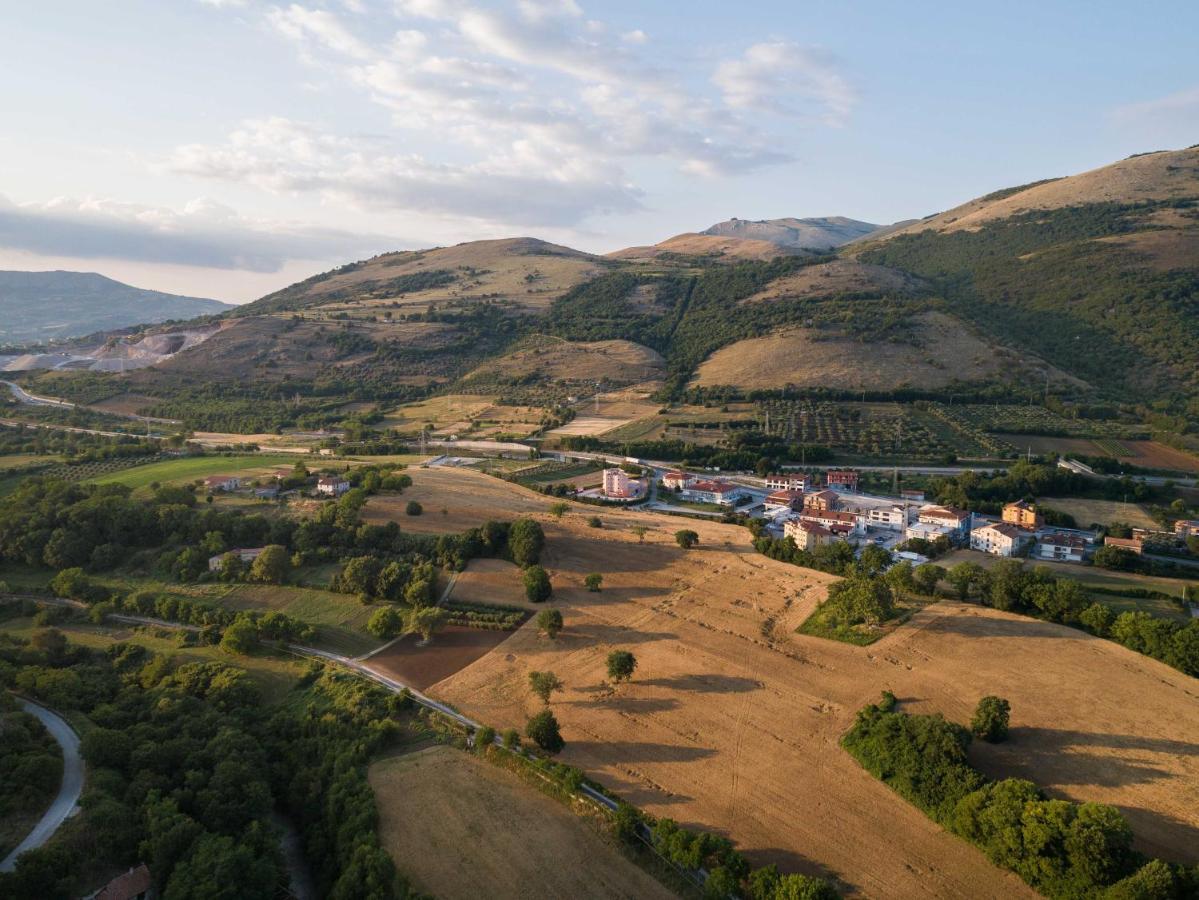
(451, 649)
(1159, 456)
(473, 849)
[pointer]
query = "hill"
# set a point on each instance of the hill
(823, 233)
(1098, 273)
(705, 246)
(42, 306)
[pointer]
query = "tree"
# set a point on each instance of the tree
(543, 730)
(74, 585)
(1007, 583)
(549, 622)
(990, 720)
(595, 522)
(272, 565)
(241, 636)
(593, 581)
(557, 510)
(873, 560)
(543, 684)
(901, 578)
(525, 540)
(427, 621)
(621, 665)
(640, 531)
(686, 538)
(484, 738)
(386, 623)
(537, 584)
(965, 576)
(1116, 558)
(1097, 618)
(511, 738)
(413, 508)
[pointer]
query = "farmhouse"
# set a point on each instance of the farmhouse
(808, 535)
(619, 486)
(270, 492)
(136, 884)
(955, 521)
(332, 485)
(1061, 547)
(1185, 528)
(999, 539)
(842, 480)
(676, 481)
(245, 554)
(822, 500)
(783, 499)
(222, 483)
(787, 481)
(1022, 514)
(722, 493)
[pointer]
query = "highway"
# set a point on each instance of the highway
(68, 792)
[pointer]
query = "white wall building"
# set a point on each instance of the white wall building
(999, 539)
(722, 493)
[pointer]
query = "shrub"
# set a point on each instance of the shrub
(537, 584)
(549, 622)
(511, 738)
(686, 538)
(595, 522)
(413, 508)
(543, 730)
(484, 738)
(593, 581)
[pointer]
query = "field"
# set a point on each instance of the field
(555, 359)
(732, 720)
(1102, 512)
(451, 412)
(452, 648)
(339, 619)
(190, 468)
(474, 850)
(490, 581)
(1153, 455)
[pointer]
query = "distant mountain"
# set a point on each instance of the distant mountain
(822, 233)
(41, 306)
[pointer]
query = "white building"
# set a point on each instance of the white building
(722, 493)
(1061, 547)
(893, 517)
(619, 486)
(222, 482)
(332, 485)
(245, 554)
(923, 531)
(676, 480)
(955, 521)
(783, 499)
(999, 539)
(787, 481)
(848, 523)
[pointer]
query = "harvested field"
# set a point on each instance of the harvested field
(444, 412)
(589, 425)
(1102, 512)
(1153, 455)
(1043, 444)
(452, 648)
(490, 581)
(732, 721)
(474, 850)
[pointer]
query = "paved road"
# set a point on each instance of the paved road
(68, 791)
(25, 397)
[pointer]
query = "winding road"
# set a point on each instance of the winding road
(68, 792)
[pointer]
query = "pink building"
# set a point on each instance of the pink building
(619, 486)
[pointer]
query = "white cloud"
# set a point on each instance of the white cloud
(1183, 103)
(202, 234)
(316, 26)
(784, 78)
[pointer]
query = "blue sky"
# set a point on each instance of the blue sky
(228, 147)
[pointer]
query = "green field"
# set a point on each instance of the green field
(339, 618)
(189, 468)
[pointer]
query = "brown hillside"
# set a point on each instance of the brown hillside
(622, 362)
(947, 351)
(841, 276)
(1168, 175)
(706, 245)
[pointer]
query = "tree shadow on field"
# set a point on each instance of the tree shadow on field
(632, 753)
(980, 626)
(1150, 827)
(632, 705)
(616, 634)
(703, 684)
(562, 552)
(1077, 758)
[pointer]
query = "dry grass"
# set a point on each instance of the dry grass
(732, 720)
(837, 277)
(1102, 512)
(443, 412)
(490, 581)
(691, 244)
(554, 358)
(795, 356)
(460, 827)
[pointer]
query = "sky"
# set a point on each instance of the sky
(227, 148)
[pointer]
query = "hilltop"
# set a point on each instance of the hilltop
(42, 306)
(822, 233)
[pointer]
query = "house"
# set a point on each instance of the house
(808, 535)
(847, 523)
(722, 493)
(215, 483)
(1185, 528)
(332, 485)
(783, 499)
(245, 554)
(912, 495)
(619, 486)
(270, 492)
(1061, 547)
(894, 517)
(787, 481)
(842, 480)
(136, 884)
(822, 500)
(956, 521)
(923, 531)
(676, 481)
(1022, 514)
(1132, 545)
(999, 539)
